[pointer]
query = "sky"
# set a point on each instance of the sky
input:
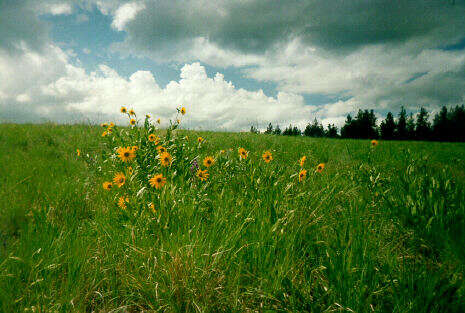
(232, 64)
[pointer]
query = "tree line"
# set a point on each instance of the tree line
(447, 125)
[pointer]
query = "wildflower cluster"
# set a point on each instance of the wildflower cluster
(108, 128)
(143, 160)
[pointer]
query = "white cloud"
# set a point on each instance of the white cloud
(299, 69)
(58, 8)
(23, 98)
(212, 103)
(23, 75)
(24, 72)
(126, 13)
(380, 77)
(339, 108)
(196, 49)
(56, 89)
(377, 76)
(86, 50)
(107, 7)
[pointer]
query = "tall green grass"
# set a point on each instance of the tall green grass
(380, 230)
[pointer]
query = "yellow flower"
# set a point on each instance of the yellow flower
(119, 179)
(109, 130)
(202, 175)
(222, 151)
(183, 110)
(78, 152)
(105, 133)
(320, 167)
(122, 202)
(126, 154)
(107, 185)
(135, 148)
(243, 153)
(374, 143)
(200, 140)
(130, 170)
(132, 122)
(302, 161)
(165, 159)
(152, 207)
(178, 121)
(147, 115)
(267, 157)
(161, 149)
(123, 110)
(131, 112)
(112, 125)
(302, 175)
(157, 181)
(153, 138)
(104, 125)
(208, 161)
(158, 121)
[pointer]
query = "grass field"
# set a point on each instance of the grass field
(380, 229)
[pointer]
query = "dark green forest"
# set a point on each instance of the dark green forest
(447, 125)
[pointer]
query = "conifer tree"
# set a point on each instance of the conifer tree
(423, 126)
(388, 127)
(401, 127)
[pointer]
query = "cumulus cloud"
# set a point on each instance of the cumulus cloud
(125, 14)
(212, 102)
(59, 8)
(23, 98)
(48, 86)
(377, 54)
(22, 75)
(371, 77)
(25, 72)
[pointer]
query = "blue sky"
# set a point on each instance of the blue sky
(231, 63)
(94, 33)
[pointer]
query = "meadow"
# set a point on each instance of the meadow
(379, 229)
